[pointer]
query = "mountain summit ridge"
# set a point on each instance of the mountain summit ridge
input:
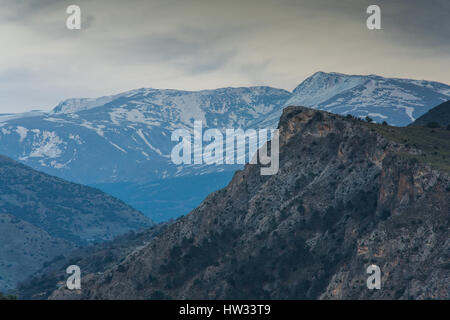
(398, 101)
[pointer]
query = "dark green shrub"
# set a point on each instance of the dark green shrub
(7, 297)
(433, 125)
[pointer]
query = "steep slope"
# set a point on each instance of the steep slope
(397, 101)
(65, 210)
(439, 114)
(92, 259)
(43, 216)
(347, 195)
(24, 248)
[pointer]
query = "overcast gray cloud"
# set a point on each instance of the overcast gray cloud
(200, 44)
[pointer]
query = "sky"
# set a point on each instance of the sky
(207, 44)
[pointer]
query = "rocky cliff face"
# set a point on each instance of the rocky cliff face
(347, 195)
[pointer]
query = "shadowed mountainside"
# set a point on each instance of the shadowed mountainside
(439, 114)
(91, 259)
(42, 217)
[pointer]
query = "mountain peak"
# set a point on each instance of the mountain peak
(398, 101)
(322, 86)
(75, 105)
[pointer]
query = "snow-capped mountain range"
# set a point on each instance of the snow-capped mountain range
(127, 137)
(397, 101)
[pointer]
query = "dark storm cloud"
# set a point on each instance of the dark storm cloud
(45, 16)
(196, 50)
(22, 10)
(425, 23)
(194, 44)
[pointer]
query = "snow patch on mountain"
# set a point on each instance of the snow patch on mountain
(142, 136)
(5, 131)
(76, 105)
(322, 86)
(45, 145)
(91, 126)
(378, 115)
(116, 146)
(76, 138)
(22, 132)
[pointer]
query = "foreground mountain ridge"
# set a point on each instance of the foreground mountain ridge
(348, 194)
